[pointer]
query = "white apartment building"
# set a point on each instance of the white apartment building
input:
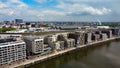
(35, 44)
(12, 52)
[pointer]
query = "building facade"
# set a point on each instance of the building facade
(35, 45)
(12, 52)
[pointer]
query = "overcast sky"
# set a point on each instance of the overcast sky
(60, 10)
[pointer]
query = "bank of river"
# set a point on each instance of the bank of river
(105, 56)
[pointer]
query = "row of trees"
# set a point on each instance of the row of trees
(111, 24)
(4, 29)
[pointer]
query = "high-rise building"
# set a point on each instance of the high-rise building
(18, 20)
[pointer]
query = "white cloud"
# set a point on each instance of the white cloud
(82, 8)
(16, 4)
(65, 9)
(6, 12)
(2, 5)
(79, 1)
(12, 7)
(95, 11)
(40, 1)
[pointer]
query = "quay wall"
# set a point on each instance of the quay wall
(37, 60)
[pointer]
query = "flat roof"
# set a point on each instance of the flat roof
(11, 43)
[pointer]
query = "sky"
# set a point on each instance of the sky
(60, 10)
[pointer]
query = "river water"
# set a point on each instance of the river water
(106, 55)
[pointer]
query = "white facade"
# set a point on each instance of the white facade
(35, 44)
(104, 36)
(12, 51)
(103, 27)
(17, 31)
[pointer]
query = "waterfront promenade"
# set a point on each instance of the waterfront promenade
(53, 55)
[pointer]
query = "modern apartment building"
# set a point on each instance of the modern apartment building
(59, 45)
(88, 38)
(35, 44)
(12, 51)
(108, 32)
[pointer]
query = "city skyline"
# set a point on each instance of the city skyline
(60, 10)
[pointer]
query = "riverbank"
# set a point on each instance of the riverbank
(53, 55)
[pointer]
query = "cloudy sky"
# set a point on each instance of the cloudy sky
(60, 10)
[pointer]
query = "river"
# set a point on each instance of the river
(105, 55)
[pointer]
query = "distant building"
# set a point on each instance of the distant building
(18, 20)
(7, 22)
(103, 27)
(17, 31)
(68, 27)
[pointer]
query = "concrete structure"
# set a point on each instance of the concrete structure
(59, 45)
(35, 45)
(17, 31)
(103, 27)
(108, 32)
(88, 38)
(18, 20)
(116, 31)
(12, 52)
(70, 42)
(79, 37)
(96, 37)
(104, 36)
(50, 38)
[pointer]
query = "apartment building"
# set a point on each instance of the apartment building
(12, 51)
(88, 38)
(59, 45)
(35, 44)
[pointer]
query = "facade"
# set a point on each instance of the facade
(108, 32)
(69, 43)
(104, 36)
(35, 45)
(50, 38)
(18, 21)
(12, 52)
(88, 38)
(96, 37)
(116, 32)
(59, 45)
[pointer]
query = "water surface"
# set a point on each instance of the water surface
(107, 55)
